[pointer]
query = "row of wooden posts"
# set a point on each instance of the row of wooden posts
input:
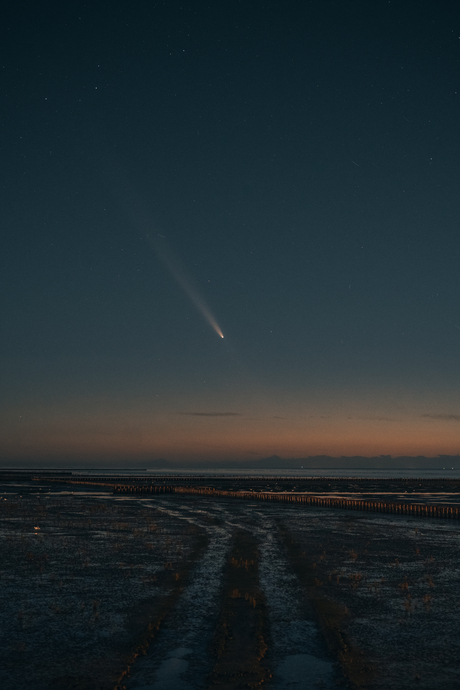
(415, 509)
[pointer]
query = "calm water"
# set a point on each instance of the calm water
(448, 472)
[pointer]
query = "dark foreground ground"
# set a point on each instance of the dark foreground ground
(182, 592)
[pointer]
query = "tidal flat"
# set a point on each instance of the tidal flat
(157, 592)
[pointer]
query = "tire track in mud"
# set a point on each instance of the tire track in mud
(297, 655)
(329, 614)
(180, 658)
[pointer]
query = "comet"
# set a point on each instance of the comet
(127, 196)
(167, 258)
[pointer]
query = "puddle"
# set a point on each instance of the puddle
(304, 671)
(168, 676)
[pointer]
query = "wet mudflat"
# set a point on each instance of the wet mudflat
(397, 579)
(82, 579)
(79, 593)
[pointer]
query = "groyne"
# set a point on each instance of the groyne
(414, 509)
(360, 504)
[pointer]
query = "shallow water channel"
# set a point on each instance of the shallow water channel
(179, 658)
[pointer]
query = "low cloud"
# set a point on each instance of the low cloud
(374, 419)
(211, 414)
(446, 417)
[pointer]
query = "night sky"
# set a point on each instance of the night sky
(289, 168)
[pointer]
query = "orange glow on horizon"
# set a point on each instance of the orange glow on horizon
(243, 422)
(225, 437)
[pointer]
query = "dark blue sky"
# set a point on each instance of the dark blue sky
(300, 160)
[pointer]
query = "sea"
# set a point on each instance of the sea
(445, 472)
